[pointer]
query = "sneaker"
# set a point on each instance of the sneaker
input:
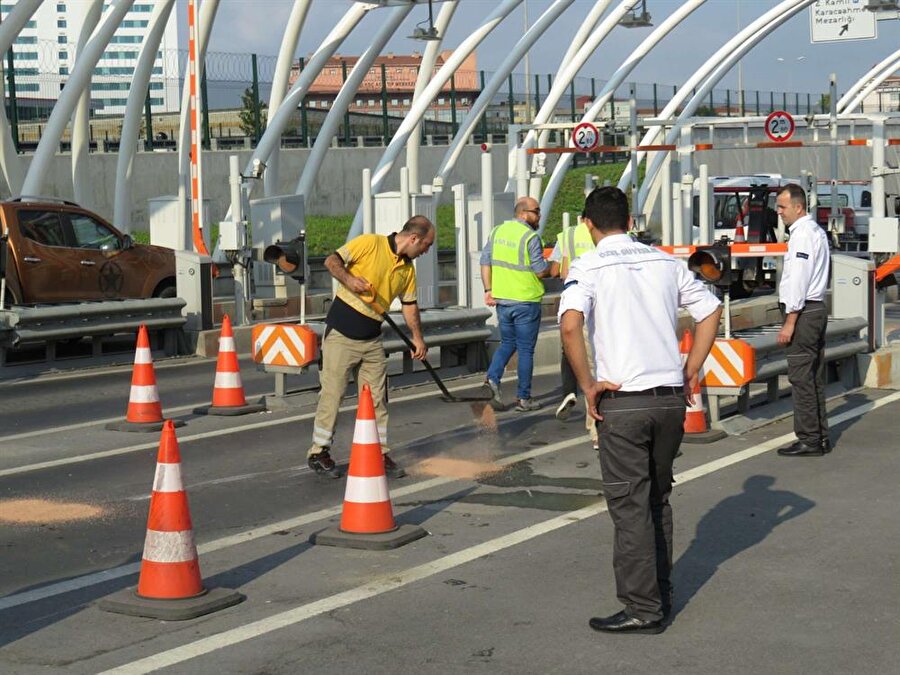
(323, 465)
(496, 396)
(527, 405)
(392, 469)
(562, 412)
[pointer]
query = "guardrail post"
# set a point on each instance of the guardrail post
(772, 389)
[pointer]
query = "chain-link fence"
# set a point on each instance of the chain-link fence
(236, 84)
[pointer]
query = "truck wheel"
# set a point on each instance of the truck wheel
(166, 292)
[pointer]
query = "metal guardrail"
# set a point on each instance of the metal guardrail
(842, 341)
(51, 323)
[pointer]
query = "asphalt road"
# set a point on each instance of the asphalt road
(783, 565)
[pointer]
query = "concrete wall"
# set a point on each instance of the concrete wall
(337, 189)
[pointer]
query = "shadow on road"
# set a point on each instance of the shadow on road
(732, 526)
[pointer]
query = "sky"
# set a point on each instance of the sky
(784, 60)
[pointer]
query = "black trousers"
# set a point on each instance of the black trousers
(806, 373)
(639, 437)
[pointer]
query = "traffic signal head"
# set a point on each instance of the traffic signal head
(289, 257)
(712, 263)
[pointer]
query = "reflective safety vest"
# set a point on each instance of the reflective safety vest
(511, 275)
(576, 241)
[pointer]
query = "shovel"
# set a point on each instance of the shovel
(369, 299)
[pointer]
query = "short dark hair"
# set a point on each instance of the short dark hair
(607, 209)
(797, 193)
(418, 225)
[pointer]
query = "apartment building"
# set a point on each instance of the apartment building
(45, 50)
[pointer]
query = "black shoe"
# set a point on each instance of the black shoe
(392, 469)
(323, 465)
(826, 446)
(800, 449)
(622, 623)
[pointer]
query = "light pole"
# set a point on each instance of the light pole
(790, 68)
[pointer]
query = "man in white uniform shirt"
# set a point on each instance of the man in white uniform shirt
(802, 294)
(629, 294)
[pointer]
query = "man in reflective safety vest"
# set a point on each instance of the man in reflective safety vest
(573, 242)
(512, 265)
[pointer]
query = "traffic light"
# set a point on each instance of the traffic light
(289, 257)
(713, 263)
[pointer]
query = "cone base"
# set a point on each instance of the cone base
(125, 425)
(230, 410)
(702, 437)
(127, 601)
(382, 541)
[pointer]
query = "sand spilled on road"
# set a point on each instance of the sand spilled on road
(38, 511)
(453, 468)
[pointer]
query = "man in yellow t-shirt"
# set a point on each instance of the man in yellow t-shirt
(371, 264)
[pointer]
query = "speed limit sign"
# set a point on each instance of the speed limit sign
(585, 136)
(780, 126)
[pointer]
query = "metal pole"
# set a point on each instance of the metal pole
(237, 213)
(728, 102)
(453, 104)
(368, 204)
(385, 129)
(257, 122)
(460, 218)
(757, 101)
(13, 103)
(655, 101)
(484, 126)
(204, 107)
(572, 98)
(405, 203)
(633, 141)
(537, 91)
(487, 198)
(512, 109)
(834, 148)
(148, 122)
(304, 118)
(665, 199)
(347, 113)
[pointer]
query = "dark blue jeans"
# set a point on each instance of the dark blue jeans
(519, 324)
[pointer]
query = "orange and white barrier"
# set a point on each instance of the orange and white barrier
(170, 586)
(228, 391)
(731, 363)
(144, 409)
(284, 345)
(367, 520)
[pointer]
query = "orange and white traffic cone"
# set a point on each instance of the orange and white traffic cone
(696, 429)
(170, 586)
(739, 237)
(144, 409)
(228, 391)
(367, 520)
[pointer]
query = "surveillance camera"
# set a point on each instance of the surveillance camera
(258, 167)
(810, 119)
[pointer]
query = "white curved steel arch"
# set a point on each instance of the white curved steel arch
(131, 126)
(607, 92)
(872, 86)
(493, 85)
(280, 82)
(748, 32)
(418, 108)
(345, 96)
(426, 68)
(762, 28)
(9, 29)
(68, 98)
(865, 79)
(81, 131)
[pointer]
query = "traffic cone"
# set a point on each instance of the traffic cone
(367, 520)
(169, 586)
(739, 237)
(144, 410)
(228, 391)
(695, 427)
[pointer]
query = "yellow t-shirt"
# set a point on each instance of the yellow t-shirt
(374, 257)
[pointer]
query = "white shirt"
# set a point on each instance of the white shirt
(629, 294)
(805, 274)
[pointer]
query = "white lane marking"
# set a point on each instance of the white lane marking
(125, 366)
(429, 393)
(59, 588)
(397, 580)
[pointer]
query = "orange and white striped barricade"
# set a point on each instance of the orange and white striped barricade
(228, 391)
(728, 371)
(285, 349)
(367, 520)
(169, 586)
(144, 409)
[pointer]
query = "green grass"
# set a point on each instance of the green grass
(325, 234)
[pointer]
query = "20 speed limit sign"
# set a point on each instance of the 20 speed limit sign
(585, 136)
(780, 126)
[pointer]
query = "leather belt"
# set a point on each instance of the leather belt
(655, 391)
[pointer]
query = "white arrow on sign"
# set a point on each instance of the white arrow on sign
(840, 20)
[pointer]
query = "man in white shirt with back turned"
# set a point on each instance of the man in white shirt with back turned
(802, 296)
(629, 294)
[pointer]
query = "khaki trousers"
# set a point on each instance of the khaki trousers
(342, 356)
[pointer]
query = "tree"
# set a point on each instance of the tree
(705, 111)
(247, 115)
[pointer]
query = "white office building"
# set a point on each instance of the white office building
(45, 53)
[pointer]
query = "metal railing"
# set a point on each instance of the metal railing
(53, 323)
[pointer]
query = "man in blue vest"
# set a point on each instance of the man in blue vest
(512, 266)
